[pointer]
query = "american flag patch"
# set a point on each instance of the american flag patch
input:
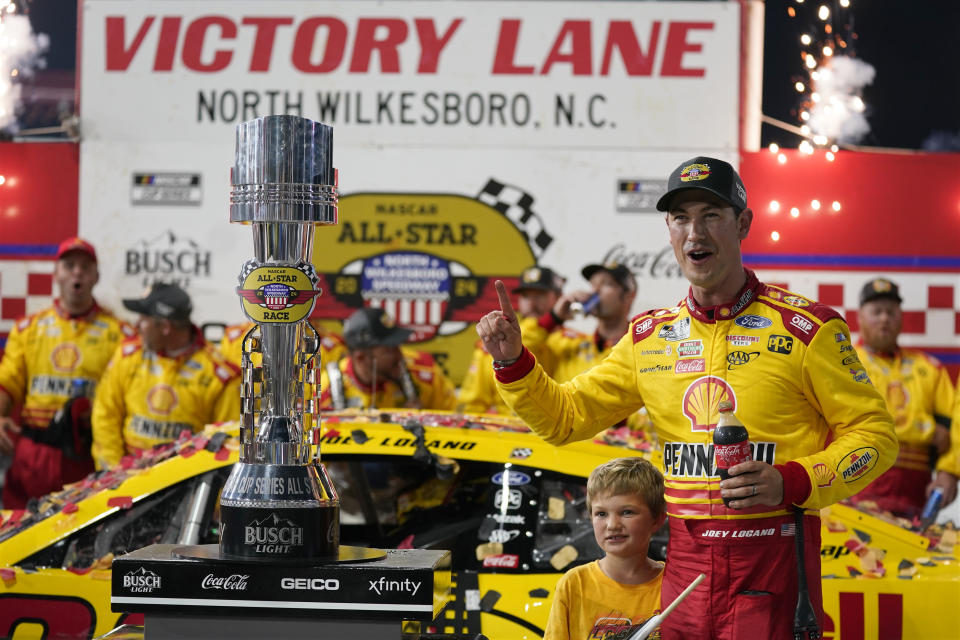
(787, 530)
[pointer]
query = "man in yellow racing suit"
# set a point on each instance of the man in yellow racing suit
(167, 380)
(51, 367)
(919, 396)
(819, 431)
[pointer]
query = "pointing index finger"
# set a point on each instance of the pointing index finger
(505, 306)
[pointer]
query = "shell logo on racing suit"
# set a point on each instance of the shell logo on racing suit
(65, 357)
(162, 399)
(701, 399)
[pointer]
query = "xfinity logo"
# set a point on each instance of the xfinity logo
(310, 584)
(141, 581)
(383, 585)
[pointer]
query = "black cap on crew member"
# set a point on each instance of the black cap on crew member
(879, 288)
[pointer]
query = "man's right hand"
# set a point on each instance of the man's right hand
(8, 430)
(500, 330)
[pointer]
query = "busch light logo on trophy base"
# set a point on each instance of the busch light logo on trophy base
(279, 501)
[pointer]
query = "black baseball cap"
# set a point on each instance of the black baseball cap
(620, 273)
(710, 174)
(368, 327)
(879, 288)
(539, 278)
(162, 300)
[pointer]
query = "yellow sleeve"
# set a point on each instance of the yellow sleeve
(13, 367)
(536, 339)
(442, 394)
(478, 391)
(582, 407)
(229, 346)
(943, 393)
(864, 443)
(950, 461)
(225, 403)
(558, 624)
(109, 414)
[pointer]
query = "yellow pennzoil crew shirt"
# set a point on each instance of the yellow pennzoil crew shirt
(147, 398)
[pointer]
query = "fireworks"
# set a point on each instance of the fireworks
(832, 107)
(20, 54)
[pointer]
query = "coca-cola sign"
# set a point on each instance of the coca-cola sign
(657, 264)
(232, 582)
(502, 561)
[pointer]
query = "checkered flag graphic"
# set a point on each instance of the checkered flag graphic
(517, 205)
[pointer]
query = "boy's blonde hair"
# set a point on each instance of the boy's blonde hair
(628, 475)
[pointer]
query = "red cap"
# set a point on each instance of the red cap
(76, 244)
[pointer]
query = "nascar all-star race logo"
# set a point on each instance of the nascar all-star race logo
(277, 294)
(430, 260)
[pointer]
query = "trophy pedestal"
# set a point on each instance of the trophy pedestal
(186, 595)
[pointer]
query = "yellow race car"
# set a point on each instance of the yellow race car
(510, 507)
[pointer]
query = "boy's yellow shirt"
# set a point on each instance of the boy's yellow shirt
(588, 605)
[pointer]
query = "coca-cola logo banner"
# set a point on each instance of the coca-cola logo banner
(232, 582)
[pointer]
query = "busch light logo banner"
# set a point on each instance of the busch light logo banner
(141, 581)
(167, 257)
(273, 535)
(413, 287)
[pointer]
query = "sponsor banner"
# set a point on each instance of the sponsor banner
(196, 584)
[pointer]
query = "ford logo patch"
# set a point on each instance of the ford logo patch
(753, 322)
(511, 478)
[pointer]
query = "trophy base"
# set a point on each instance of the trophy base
(212, 553)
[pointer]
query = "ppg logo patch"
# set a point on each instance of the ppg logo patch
(780, 344)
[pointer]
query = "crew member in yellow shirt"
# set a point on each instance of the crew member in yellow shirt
(165, 381)
(919, 396)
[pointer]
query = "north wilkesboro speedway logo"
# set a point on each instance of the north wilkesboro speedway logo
(141, 581)
(430, 260)
(273, 535)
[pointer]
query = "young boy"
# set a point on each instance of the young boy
(613, 596)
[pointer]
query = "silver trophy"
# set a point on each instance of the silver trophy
(279, 501)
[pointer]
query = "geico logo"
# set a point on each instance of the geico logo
(310, 584)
